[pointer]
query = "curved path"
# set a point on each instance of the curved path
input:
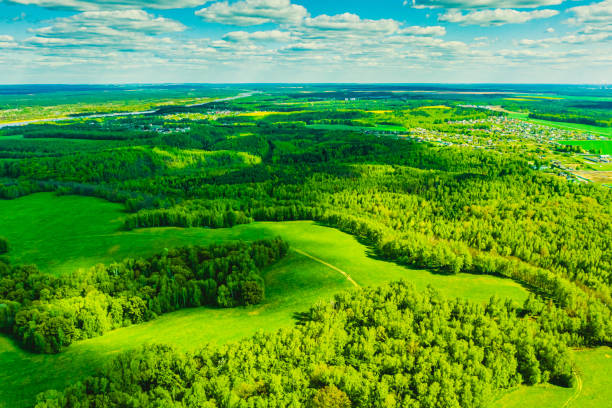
(346, 275)
(577, 393)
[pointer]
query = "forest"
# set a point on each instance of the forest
(585, 120)
(375, 164)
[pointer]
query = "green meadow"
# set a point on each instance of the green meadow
(77, 232)
(594, 146)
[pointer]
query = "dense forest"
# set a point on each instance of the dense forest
(385, 347)
(46, 314)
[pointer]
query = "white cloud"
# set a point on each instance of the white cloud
(418, 30)
(568, 39)
(479, 4)
(108, 22)
(271, 35)
(7, 41)
(89, 5)
(550, 30)
(593, 13)
(495, 17)
(253, 12)
(124, 38)
(594, 28)
(126, 29)
(426, 43)
(351, 22)
(542, 56)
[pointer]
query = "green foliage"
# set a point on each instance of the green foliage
(79, 100)
(571, 118)
(323, 156)
(215, 217)
(4, 246)
(391, 346)
(78, 131)
(331, 397)
(47, 314)
(122, 164)
(593, 146)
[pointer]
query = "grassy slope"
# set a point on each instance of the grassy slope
(85, 231)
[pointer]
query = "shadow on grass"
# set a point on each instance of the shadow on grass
(301, 318)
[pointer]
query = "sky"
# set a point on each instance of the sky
(368, 41)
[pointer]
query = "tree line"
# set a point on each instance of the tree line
(571, 118)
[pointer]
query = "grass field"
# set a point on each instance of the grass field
(599, 167)
(595, 146)
(72, 232)
(594, 390)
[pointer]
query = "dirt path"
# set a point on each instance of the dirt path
(577, 393)
(346, 275)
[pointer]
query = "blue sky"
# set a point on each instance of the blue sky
(117, 41)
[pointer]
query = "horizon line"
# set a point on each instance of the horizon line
(301, 83)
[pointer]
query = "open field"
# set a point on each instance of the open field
(595, 146)
(85, 229)
(594, 387)
(597, 166)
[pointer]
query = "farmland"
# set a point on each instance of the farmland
(462, 234)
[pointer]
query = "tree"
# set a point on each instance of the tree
(331, 397)
(252, 292)
(4, 247)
